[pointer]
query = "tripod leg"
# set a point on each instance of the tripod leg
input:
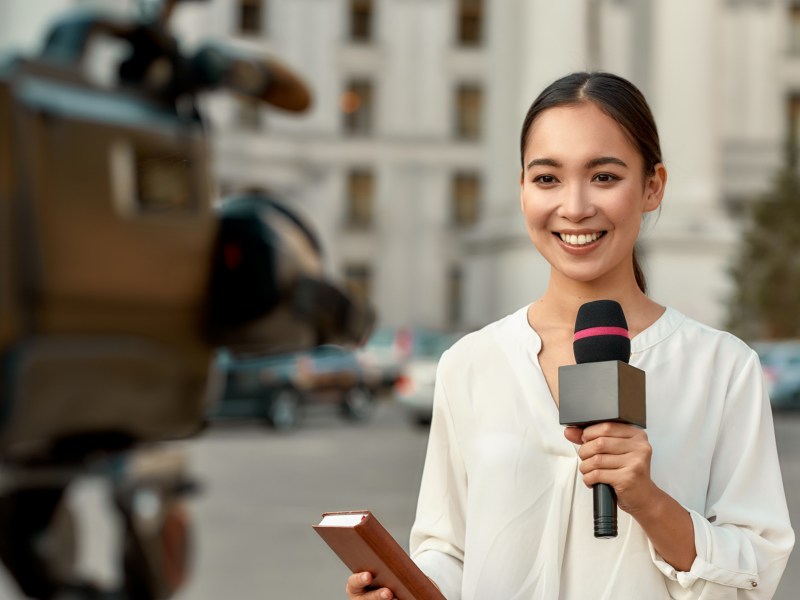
(26, 517)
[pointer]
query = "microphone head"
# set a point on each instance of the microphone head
(601, 333)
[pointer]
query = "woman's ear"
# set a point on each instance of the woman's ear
(654, 188)
(521, 190)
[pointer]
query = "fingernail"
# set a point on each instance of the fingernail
(386, 594)
(365, 577)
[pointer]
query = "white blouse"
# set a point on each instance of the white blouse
(503, 512)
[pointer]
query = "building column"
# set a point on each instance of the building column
(688, 250)
(525, 52)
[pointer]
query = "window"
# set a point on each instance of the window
(455, 296)
(358, 277)
(470, 22)
(793, 121)
(356, 105)
(469, 100)
(794, 29)
(361, 20)
(250, 16)
(360, 195)
(466, 189)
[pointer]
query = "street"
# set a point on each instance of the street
(257, 542)
(263, 491)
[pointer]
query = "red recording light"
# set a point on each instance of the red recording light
(232, 255)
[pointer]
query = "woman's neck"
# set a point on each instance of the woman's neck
(559, 305)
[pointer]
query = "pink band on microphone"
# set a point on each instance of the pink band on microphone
(593, 331)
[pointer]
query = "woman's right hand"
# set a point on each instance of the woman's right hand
(356, 588)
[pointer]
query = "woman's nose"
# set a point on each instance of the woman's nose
(576, 204)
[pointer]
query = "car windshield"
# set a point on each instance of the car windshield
(432, 344)
(774, 353)
(382, 337)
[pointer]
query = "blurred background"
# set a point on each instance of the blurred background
(407, 167)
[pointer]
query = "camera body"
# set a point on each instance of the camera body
(121, 273)
(108, 231)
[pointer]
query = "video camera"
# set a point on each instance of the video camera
(120, 274)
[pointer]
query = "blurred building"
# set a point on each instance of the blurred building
(408, 162)
(719, 77)
(390, 163)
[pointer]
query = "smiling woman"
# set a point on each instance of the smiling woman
(584, 189)
(504, 510)
(620, 101)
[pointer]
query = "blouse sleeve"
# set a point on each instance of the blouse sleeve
(437, 536)
(744, 538)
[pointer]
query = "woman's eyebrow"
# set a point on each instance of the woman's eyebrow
(605, 160)
(547, 162)
(593, 163)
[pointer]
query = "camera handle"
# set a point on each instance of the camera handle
(213, 66)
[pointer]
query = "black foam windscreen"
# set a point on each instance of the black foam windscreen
(601, 333)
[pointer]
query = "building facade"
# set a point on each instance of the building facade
(415, 191)
(407, 164)
(720, 79)
(389, 163)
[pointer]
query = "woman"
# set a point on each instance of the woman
(505, 509)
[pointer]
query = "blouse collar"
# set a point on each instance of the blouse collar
(661, 329)
(658, 331)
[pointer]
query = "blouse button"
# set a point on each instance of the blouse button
(754, 583)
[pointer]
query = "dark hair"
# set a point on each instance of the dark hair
(620, 100)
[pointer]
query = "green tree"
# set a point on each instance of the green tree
(766, 298)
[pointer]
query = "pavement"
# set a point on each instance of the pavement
(262, 491)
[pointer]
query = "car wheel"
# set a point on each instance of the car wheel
(358, 403)
(284, 409)
(422, 420)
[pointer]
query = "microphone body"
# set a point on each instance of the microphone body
(265, 79)
(602, 387)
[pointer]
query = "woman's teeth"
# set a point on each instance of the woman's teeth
(580, 240)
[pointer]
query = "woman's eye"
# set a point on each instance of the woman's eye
(605, 177)
(545, 179)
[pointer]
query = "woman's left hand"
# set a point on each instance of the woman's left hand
(619, 455)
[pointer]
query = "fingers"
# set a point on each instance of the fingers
(579, 436)
(357, 585)
(614, 453)
(611, 429)
(601, 431)
(619, 472)
(574, 435)
(610, 447)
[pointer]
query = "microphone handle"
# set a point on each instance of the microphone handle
(605, 511)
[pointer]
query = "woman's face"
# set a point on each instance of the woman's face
(583, 192)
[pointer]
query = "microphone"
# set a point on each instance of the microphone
(264, 79)
(601, 387)
(601, 333)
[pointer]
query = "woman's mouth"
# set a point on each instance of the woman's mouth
(581, 239)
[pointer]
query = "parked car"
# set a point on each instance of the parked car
(386, 352)
(414, 387)
(781, 364)
(276, 388)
